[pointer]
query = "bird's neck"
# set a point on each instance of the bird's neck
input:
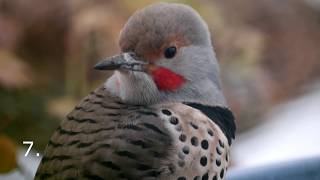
(133, 87)
(202, 91)
(139, 88)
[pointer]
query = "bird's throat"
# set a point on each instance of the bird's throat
(167, 80)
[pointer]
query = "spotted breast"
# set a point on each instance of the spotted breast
(103, 138)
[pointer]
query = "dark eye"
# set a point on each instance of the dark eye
(170, 52)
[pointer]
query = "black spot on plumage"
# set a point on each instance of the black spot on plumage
(54, 144)
(73, 142)
(210, 132)
(83, 109)
(182, 178)
(204, 144)
(82, 145)
(166, 112)
(86, 100)
(221, 143)
(105, 105)
(119, 102)
(104, 145)
(77, 107)
(171, 168)
(158, 154)
(215, 177)
(205, 176)
(101, 129)
(85, 120)
(194, 141)
(218, 150)
(203, 161)
(227, 157)
(173, 120)
(223, 117)
(140, 143)
(153, 173)
(148, 113)
(100, 146)
(181, 163)
(194, 125)
(110, 165)
(113, 114)
(115, 120)
(130, 126)
(185, 150)
(126, 154)
(57, 157)
(154, 128)
(143, 167)
(97, 102)
(182, 137)
(221, 173)
(98, 95)
(196, 178)
(218, 162)
(62, 131)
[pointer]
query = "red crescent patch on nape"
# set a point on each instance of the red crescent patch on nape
(167, 80)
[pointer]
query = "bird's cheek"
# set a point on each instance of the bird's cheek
(166, 80)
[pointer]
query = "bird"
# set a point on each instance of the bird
(162, 113)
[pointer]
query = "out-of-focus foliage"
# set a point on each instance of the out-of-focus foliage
(7, 155)
(268, 51)
(288, 56)
(13, 71)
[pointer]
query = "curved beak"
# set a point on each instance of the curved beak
(124, 61)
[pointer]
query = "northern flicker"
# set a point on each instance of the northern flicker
(161, 115)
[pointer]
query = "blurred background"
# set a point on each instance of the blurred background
(269, 53)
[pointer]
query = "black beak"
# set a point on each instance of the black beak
(124, 61)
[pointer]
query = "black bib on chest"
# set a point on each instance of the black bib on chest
(223, 117)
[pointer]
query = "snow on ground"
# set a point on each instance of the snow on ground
(291, 131)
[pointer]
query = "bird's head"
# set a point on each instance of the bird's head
(166, 55)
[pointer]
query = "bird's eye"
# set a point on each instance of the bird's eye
(170, 52)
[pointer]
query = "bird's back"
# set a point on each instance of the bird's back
(104, 138)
